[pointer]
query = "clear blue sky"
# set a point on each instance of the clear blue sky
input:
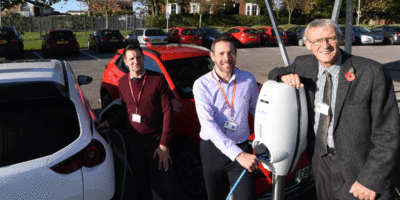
(64, 6)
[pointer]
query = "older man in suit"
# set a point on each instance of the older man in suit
(353, 117)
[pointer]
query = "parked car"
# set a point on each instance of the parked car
(11, 43)
(295, 35)
(49, 146)
(365, 36)
(208, 35)
(145, 35)
(59, 41)
(391, 34)
(184, 36)
(268, 37)
(106, 39)
(242, 36)
(353, 35)
(181, 66)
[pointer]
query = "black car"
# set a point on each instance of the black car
(391, 34)
(208, 35)
(295, 35)
(106, 39)
(11, 43)
(60, 41)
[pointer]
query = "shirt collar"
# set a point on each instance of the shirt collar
(333, 70)
(219, 80)
(140, 77)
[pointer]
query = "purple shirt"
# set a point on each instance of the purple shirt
(213, 111)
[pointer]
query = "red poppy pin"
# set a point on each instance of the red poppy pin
(350, 76)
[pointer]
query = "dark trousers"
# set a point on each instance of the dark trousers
(140, 158)
(216, 165)
(329, 180)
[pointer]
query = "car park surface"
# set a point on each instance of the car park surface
(106, 40)
(243, 36)
(184, 36)
(268, 37)
(145, 35)
(49, 146)
(60, 41)
(11, 43)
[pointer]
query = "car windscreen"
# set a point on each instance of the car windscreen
(281, 32)
(34, 128)
(58, 35)
(250, 31)
(189, 32)
(364, 30)
(111, 34)
(212, 31)
(5, 34)
(154, 33)
(187, 70)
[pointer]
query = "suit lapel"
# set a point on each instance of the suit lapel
(343, 86)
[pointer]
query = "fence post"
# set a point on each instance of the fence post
(40, 26)
(84, 24)
(126, 22)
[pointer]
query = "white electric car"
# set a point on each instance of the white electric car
(49, 148)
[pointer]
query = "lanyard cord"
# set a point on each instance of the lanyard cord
(140, 93)
(226, 98)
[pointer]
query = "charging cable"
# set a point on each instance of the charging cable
(263, 156)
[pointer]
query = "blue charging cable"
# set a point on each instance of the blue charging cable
(261, 157)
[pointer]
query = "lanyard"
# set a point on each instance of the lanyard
(226, 98)
(140, 93)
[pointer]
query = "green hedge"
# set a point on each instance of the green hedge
(192, 20)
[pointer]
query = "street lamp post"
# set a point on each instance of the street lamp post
(358, 13)
(167, 14)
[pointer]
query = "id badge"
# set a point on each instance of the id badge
(230, 125)
(136, 118)
(322, 108)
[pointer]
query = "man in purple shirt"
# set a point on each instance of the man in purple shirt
(223, 100)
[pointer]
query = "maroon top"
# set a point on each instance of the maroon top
(155, 107)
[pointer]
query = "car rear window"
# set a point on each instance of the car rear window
(250, 31)
(55, 35)
(34, 128)
(155, 33)
(110, 34)
(187, 70)
(189, 32)
(5, 34)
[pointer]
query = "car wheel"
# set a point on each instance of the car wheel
(76, 54)
(391, 41)
(188, 169)
(98, 49)
(357, 41)
(237, 43)
(266, 43)
(105, 99)
(301, 42)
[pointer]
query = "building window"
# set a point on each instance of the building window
(194, 8)
(173, 8)
(252, 9)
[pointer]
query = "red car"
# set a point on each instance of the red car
(184, 36)
(181, 66)
(243, 36)
(268, 37)
(59, 41)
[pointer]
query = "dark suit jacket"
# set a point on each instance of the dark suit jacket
(366, 128)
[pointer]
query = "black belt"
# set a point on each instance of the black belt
(331, 151)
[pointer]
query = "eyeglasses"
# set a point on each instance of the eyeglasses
(330, 40)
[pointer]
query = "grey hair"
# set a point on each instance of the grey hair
(323, 23)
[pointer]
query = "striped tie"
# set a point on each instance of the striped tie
(322, 131)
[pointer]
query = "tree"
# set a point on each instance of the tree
(7, 4)
(379, 9)
(104, 7)
(290, 6)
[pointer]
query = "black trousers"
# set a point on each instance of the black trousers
(329, 180)
(140, 158)
(216, 166)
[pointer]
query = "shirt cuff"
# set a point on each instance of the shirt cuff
(233, 152)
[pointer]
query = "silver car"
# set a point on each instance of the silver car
(365, 36)
(145, 35)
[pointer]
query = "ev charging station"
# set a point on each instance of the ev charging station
(281, 117)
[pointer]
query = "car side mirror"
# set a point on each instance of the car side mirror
(84, 80)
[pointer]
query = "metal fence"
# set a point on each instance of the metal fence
(74, 22)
